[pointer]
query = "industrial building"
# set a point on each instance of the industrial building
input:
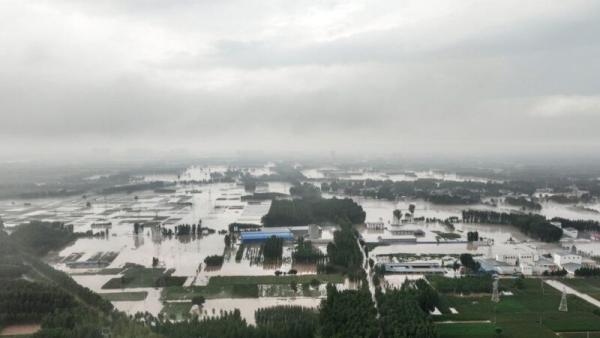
(263, 235)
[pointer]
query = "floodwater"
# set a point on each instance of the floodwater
(218, 205)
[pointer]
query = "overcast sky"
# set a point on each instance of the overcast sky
(351, 76)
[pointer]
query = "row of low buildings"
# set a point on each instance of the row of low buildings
(527, 264)
(533, 264)
(310, 232)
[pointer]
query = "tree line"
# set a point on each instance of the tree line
(535, 226)
(307, 211)
(404, 312)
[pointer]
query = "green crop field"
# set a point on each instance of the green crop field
(475, 330)
(176, 311)
(591, 286)
(124, 296)
(140, 277)
(287, 279)
(530, 312)
(210, 291)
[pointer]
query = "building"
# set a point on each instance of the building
(567, 232)
(528, 258)
(510, 259)
(562, 258)
(314, 231)
(526, 269)
(496, 266)
(263, 235)
(375, 225)
(542, 265)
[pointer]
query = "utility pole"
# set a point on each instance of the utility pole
(563, 302)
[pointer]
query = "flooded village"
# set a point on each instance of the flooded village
(153, 249)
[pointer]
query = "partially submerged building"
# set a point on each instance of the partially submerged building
(263, 235)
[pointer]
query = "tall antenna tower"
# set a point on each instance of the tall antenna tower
(563, 301)
(495, 294)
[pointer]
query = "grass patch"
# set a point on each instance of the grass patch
(107, 271)
(124, 296)
(519, 315)
(176, 311)
(286, 290)
(210, 292)
(591, 286)
(141, 277)
(287, 279)
(580, 335)
(479, 330)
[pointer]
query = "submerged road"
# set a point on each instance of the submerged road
(369, 273)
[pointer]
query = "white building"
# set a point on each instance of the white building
(526, 269)
(510, 259)
(528, 258)
(562, 258)
(542, 265)
(375, 225)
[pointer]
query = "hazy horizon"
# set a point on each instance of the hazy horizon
(115, 79)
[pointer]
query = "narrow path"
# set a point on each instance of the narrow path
(559, 286)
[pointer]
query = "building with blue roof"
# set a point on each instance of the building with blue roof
(263, 235)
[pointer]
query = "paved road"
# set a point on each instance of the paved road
(560, 286)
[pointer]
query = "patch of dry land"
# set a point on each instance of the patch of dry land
(18, 330)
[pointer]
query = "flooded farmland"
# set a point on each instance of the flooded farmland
(187, 200)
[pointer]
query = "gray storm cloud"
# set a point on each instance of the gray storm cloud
(401, 76)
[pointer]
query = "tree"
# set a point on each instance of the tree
(411, 208)
(397, 215)
(272, 249)
(472, 236)
(467, 261)
(294, 286)
(198, 300)
(455, 266)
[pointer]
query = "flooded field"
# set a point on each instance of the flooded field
(333, 173)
